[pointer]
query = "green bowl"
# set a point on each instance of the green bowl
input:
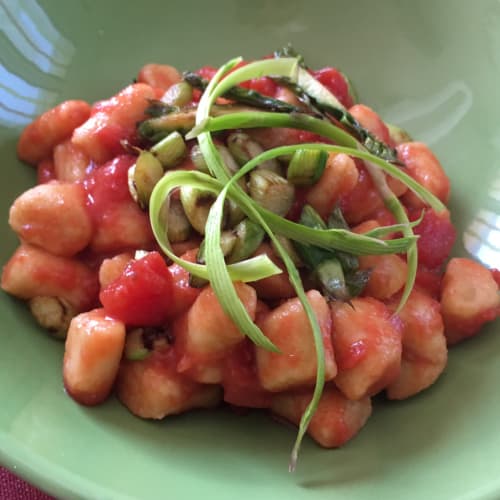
(434, 68)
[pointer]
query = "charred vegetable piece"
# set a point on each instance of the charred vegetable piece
(326, 265)
(179, 94)
(196, 204)
(249, 236)
(314, 96)
(356, 280)
(306, 167)
(141, 342)
(320, 100)
(234, 212)
(289, 248)
(159, 108)
(271, 191)
(134, 346)
(159, 127)
(180, 120)
(178, 227)
(170, 150)
(244, 148)
(336, 221)
(332, 279)
(227, 243)
(52, 313)
(198, 159)
(143, 176)
(311, 255)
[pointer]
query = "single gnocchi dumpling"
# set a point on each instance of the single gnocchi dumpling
(367, 344)
(152, 388)
(469, 298)
(336, 420)
(289, 329)
(425, 353)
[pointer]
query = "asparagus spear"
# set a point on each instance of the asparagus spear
(257, 100)
(324, 264)
(167, 119)
(244, 96)
(355, 278)
(371, 143)
(338, 272)
(310, 93)
(159, 108)
(289, 51)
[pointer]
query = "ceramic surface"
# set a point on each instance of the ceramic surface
(434, 68)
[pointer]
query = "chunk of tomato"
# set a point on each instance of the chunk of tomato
(142, 295)
(335, 82)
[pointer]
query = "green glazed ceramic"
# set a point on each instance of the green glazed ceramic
(431, 66)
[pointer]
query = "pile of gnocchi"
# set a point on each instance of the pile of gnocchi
(138, 325)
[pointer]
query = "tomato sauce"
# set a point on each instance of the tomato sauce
(436, 237)
(240, 380)
(142, 295)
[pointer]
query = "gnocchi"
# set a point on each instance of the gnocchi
(304, 236)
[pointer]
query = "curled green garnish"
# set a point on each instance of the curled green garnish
(223, 183)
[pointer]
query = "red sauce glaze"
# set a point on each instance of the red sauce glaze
(303, 136)
(429, 280)
(437, 236)
(298, 204)
(183, 294)
(45, 172)
(361, 201)
(207, 72)
(496, 275)
(333, 80)
(350, 357)
(111, 136)
(385, 218)
(196, 366)
(108, 184)
(239, 378)
(142, 295)
(471, 326)
(66, 276)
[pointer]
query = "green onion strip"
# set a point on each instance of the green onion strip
(221, 276)
(392, 202)
(251, 119)
(373, 164)
(246, 270)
